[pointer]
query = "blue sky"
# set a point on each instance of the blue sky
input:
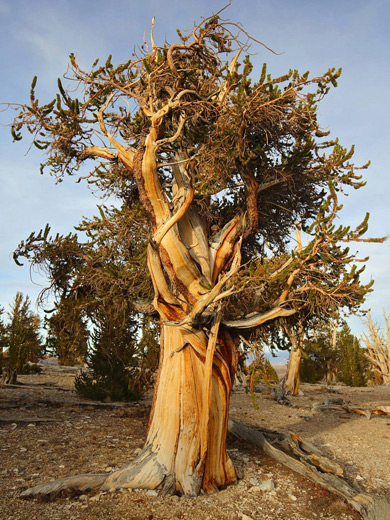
(312, 35)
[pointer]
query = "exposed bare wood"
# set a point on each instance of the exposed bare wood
(369, 506)
(295, 336)
(258, 318)
(378, 346)
(222, 245)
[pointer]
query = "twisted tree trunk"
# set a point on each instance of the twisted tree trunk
(293, 380)
(185, 449)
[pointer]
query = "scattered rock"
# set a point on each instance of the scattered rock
(152, 493)
(267, 485)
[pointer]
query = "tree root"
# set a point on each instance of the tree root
(145, 472)
(76, 483)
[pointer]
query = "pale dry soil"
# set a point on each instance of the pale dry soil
(88, 439)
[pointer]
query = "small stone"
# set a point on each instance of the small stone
(267, 485)
(152, 493)
(108, 469)
(253, 481)
(307, 418)
(31, 425)
(359, 477)
(255, 489)
(23, 449)
(112, 490)
(292, 497)
(83, 497)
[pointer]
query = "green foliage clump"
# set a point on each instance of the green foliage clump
(67, 334)
(353, 366)
(119, 366)
(313, 367)
(21, 343)
(32, 368)
(261, 370)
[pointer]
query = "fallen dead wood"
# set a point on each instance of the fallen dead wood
(378, 410)
(27, 419)
(339, 406)
(57, 403)
(307, 460)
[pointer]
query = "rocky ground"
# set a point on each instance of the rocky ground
(89, 439)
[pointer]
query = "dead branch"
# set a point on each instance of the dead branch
(307, 460)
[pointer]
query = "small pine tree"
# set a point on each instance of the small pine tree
(352, 364)
(21, 337)
(317, 354)
(116, 368)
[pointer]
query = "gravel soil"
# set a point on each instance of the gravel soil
(85, 439)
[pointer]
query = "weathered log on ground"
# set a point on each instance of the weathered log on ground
(307, 460)
(339, 406)
(58, 403)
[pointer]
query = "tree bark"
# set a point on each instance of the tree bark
(331, 367)
(185, 449)
(292, 377)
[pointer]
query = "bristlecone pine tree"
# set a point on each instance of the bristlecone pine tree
(214, 169)
(21, 339)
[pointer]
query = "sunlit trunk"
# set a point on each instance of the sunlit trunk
(185, 449)
(292, 378)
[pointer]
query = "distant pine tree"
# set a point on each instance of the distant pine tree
(352, 364)
(21, 338)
